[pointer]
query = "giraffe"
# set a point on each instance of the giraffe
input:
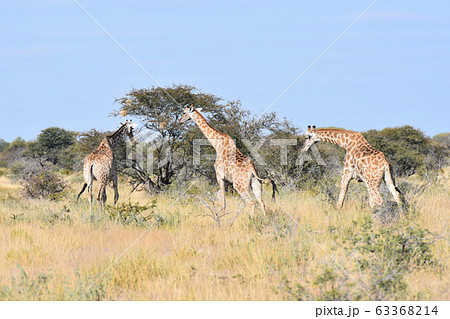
(230, 164)
(362, 162)
(100, 165)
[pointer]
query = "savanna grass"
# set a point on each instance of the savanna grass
(55, 250)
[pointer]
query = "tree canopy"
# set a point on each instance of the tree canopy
(51, 142)
(160, 109)
(408, 149)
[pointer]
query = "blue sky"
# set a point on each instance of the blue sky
(392, 68)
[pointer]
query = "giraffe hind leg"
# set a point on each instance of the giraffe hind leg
(102, 194)
(116, 189)
(90, 194)
(243, 192)
(257, 190)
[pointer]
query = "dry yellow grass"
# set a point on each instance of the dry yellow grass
(190, 257)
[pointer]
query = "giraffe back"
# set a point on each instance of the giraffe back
(369, 163)
(101, 162)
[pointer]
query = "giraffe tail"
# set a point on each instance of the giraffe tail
(91, 176)
(389, 175)
(389, 179)
(274, 186)
(82, 190)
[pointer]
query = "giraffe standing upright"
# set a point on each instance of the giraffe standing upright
(362, 162)
(230, 164)
(100, 165)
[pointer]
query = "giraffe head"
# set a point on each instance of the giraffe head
(311, 138)
(128, 129)
(188, 113)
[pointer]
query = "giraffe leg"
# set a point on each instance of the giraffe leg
(246, 197)
(221, 192)
(346, 178)
(377, 195)
(375, 198)
(90, 193)
(116, 188)
(102, 194)
(257, 190)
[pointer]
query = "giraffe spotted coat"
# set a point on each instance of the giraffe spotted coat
(230, 165)
(362, 162)
(101, 165)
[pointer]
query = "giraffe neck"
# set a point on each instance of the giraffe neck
(213, 135)
(115, 138)
(342, 138)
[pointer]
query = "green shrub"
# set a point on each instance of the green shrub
(388, 253)
(408, 150)
(58, 216)
(27, 288)
(443, 138)
(131, 214)
(17, 168)
(168, 220)
(41, 182)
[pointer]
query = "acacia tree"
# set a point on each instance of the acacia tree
(261, 137)
(50, 143)
(408, 149)
(13, 152)
(159, 110)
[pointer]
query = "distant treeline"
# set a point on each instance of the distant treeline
(408, 149)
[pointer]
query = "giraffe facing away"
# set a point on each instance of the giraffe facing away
(362, 162)
(100, 165)
(230, 164)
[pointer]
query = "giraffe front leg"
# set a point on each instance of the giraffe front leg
(346, 178)
(375, 198)
(221, 193)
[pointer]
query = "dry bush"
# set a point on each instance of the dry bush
(40, 181)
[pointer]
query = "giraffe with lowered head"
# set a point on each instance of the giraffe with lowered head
(362, 162)
(100, 165)
(230, 164)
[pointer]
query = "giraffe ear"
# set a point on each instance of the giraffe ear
(199, 109)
